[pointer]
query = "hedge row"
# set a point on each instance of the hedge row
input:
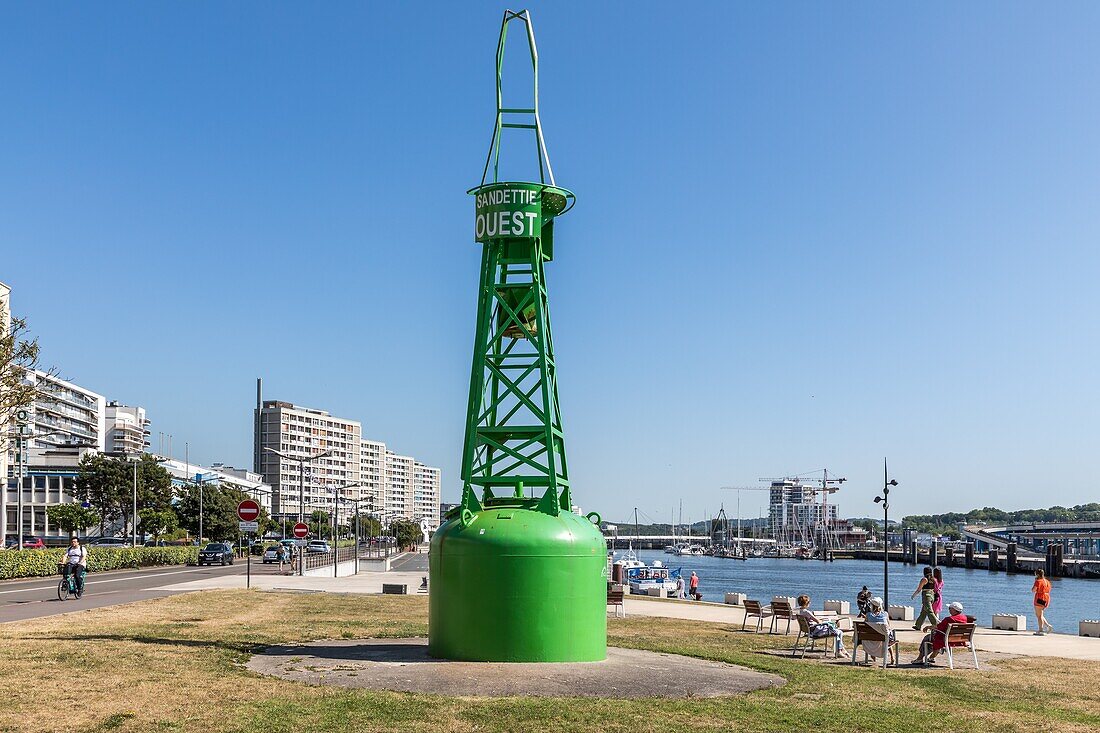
(35, 563)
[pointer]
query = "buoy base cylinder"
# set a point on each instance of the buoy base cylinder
(513, 584)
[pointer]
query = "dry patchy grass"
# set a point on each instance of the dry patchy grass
(174, 664)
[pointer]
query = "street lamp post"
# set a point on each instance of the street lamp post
(301, 488)
(134, 516)
(887, 482)
(336, 523)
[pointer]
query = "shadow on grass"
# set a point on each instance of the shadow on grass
(240, 647)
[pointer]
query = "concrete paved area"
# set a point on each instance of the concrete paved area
(404, 665)
(1022, 643)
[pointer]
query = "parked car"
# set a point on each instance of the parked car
(318, 546)
(216, 553)
(155, 543)
(110, 542)
(10, 542)
(271, 553)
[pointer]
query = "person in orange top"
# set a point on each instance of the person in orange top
(1041, 589)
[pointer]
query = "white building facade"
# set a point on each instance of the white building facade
(66, 422)
(127, 430)
(300, 433)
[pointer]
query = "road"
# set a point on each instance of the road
(35, 597)
(413, 562)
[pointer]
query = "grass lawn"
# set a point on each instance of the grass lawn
(174, 664)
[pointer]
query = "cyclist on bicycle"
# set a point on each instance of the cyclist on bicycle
(76, 562)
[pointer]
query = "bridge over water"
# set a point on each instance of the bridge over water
(659, 541)
(1078, 539)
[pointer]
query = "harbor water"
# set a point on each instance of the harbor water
(981, 592)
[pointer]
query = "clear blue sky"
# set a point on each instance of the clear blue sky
(807, 234)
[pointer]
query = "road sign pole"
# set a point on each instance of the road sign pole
(248, 568)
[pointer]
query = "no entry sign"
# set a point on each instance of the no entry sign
(248, 511)
(300, 530)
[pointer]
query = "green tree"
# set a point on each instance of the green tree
(72, 518)
(407, 533)
(158, 522)
(107, 484)
(320, 523)
(219, 511)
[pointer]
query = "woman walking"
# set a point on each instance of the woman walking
(1041, 589)
(927, 590)
(937, 585)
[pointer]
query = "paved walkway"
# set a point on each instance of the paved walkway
(1011, 642)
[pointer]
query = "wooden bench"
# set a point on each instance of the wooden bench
(865, 632)
(615, 600)
(959, 636)
(782, 610)
(809, 643)
(754, 609)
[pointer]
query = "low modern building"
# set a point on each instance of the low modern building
(190, 474)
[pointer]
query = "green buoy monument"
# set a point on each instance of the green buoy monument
(516, 574)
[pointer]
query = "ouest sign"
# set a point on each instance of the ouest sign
(508, 211)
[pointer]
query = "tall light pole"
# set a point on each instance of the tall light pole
(301, 486)
(887, 482)
(335, 523)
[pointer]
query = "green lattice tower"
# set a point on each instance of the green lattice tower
(514, 439)
(516, 575)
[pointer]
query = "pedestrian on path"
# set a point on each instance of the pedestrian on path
(1041, 589)
(694, 586)
(926, 588)
(937, 585)
(680, 587)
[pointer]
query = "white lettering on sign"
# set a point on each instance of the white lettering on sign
(497, 214)
(498, 196)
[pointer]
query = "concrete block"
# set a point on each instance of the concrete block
(1009, 622)
(736, 599)
(841, 607)
(397, 589)
(788, 599)
(657, 592)
(1089, 627)
(901, 613)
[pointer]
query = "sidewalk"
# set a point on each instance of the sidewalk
(1023, 643)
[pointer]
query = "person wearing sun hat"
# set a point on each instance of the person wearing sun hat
(936, 638)
(880, 620)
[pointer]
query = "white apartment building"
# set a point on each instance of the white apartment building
(372, 475)
(127, 430)
(67, 422)
(427, 494)
(795, 512)
(400, 475)
(398, 487)
(299, 433)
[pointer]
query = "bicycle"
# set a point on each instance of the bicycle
(67, 587)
